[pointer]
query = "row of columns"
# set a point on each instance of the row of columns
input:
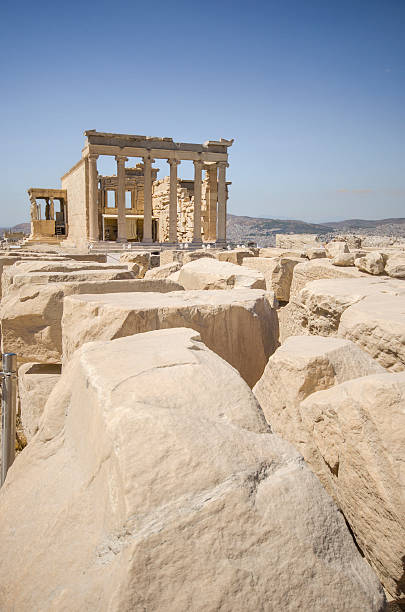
(147, 215)
(49, 212)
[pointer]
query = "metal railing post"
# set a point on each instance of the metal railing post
(8, 412)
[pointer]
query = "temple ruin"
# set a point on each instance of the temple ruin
(133, 205)
(46, 222)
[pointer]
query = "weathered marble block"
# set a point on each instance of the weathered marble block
(299, 367)
(35, 383)
(277, 272)
(154, 484)
(236, 256)
(184, 256)
(377, 325)
(357, 431)
(31, 314)
(241, 325)
(207, 273)
(335, 248)
(32, 270)
(318, 308)
(163, 271)
(318, 269)
(141, 258)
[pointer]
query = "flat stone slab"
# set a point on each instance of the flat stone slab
(62, 265)
(208, 273)
(42, 278)
(241, 325)
(297, 241)
(236, 256)
(377, 325)
(317, 269)
(275, 252)
(53, 268)
(31, 314)
(164, 271)
(319, 305)
(184, 256)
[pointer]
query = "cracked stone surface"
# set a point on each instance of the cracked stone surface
(31, 314)
(240, 325)
(357, 441)
(177, 497)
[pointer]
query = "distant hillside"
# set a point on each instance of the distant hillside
(242, 229)
(350, 224)
(263, 231)
(21, 227)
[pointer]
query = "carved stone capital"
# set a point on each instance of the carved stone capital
(93, 157)
(148, 160)
(173, 162)
(121, 159)
(223, 164)
(198, 164)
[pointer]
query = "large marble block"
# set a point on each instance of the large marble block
(241, 325)
(154, 484)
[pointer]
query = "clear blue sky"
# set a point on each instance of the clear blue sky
(312, 91)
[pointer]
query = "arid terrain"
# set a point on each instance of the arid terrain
(262, 231)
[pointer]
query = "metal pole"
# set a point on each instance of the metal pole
(8, 410)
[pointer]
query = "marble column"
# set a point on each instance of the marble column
(197, 202)
(65, 211)
(212, 198)
(221, 234)
(122, 223)
(173, 201)
(93, 198)
(34, 209)
(47, 210)
(147, 200)
(52, 210)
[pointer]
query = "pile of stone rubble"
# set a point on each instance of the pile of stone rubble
(223, 431)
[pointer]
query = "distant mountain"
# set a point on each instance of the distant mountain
(365, 223)
(242, 229)
(21, 227)
(263, 231)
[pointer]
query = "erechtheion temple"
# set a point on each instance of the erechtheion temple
(133, 205)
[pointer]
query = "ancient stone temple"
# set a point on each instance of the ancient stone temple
(133, 206)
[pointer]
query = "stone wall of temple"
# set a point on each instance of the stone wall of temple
(134, 182)
(76, 184)
(185, 208)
